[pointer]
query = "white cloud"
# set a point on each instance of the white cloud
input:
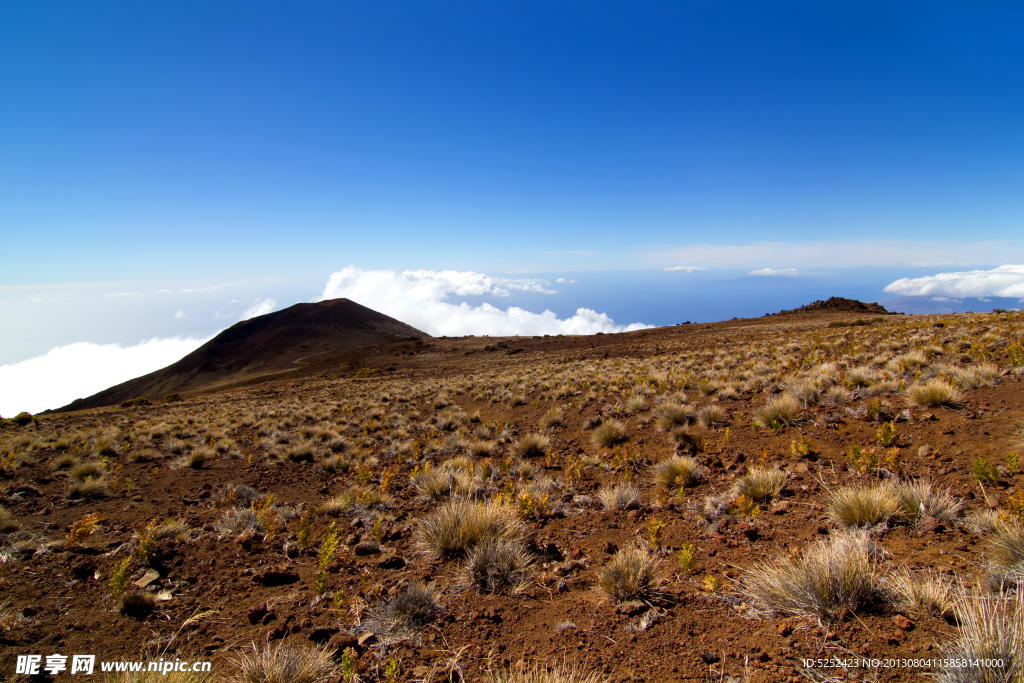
(420, 298)
(259, 308)
(82, 369)
(180, 315)
(775, 272)
(1004, 281)
(573, 253)
(688, 269)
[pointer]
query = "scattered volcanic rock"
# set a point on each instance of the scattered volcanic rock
(261, 346)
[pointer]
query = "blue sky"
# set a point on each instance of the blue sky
(273, 144)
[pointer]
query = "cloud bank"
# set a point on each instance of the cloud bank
(1004, 281)
(259, 308)
(687, 269)
(82, 369)
(775, 272)
(421, 299)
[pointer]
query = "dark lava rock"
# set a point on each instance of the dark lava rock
(276, 576)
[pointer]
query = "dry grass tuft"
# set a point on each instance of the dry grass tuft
(498, 567)
(929, 592)
(90, 469)
(552, 418)
(835, 576)
(539, 674)
(433, 482)
(711, 417)
(283, 662)
(609, 433)
(619, 496)
(669, 416)
(760, 484)
(531, 446)
(859, 506)
(631, 574)
(991, 627)
(917, 499)
(934, 394)
(1007, 545)
(676, 471)
(458, 526)
(414, 607)
(87, 488)
(784, 410)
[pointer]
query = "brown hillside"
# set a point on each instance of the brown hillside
(266, 344)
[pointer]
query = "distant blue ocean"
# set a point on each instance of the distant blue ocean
(657, 297)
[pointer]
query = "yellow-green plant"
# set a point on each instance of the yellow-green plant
(82, 528)
(656, 533)
(305, 528)
(686, 556)
(119, 577)
(801, 448)
(984, 473)
(328, 547)
(1012, 462)
(886, 434)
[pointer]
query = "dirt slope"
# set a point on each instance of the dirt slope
(265, 344)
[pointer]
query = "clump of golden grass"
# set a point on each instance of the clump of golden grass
(7, 522)
(929, 592)
(481, 449)
(760, 484)
(784, 410)
(284, 662)
(198, 459)
(543, 674)
(917, 499)
(618, 496)
(1007, 545)
(981, 521)
(90, 469)
(459, 525)
(834, 576)
(990, 628)
(934, 394)
(804, 391)
(87, 488)
(433, 482)
(415, 606)
(861, 506)
(669, 416)
(975, 376)
(609, 433)
(676, 471)
(634, 403)
(711, 416)
(631, 574)
(338, 504)
(552, 418)
(499, 566)
(531, 446)
(64, 461)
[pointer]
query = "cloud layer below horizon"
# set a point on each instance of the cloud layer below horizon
(421, 299)
(81, 369)
(1005, 281)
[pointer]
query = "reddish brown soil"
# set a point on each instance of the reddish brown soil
(699, 635)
